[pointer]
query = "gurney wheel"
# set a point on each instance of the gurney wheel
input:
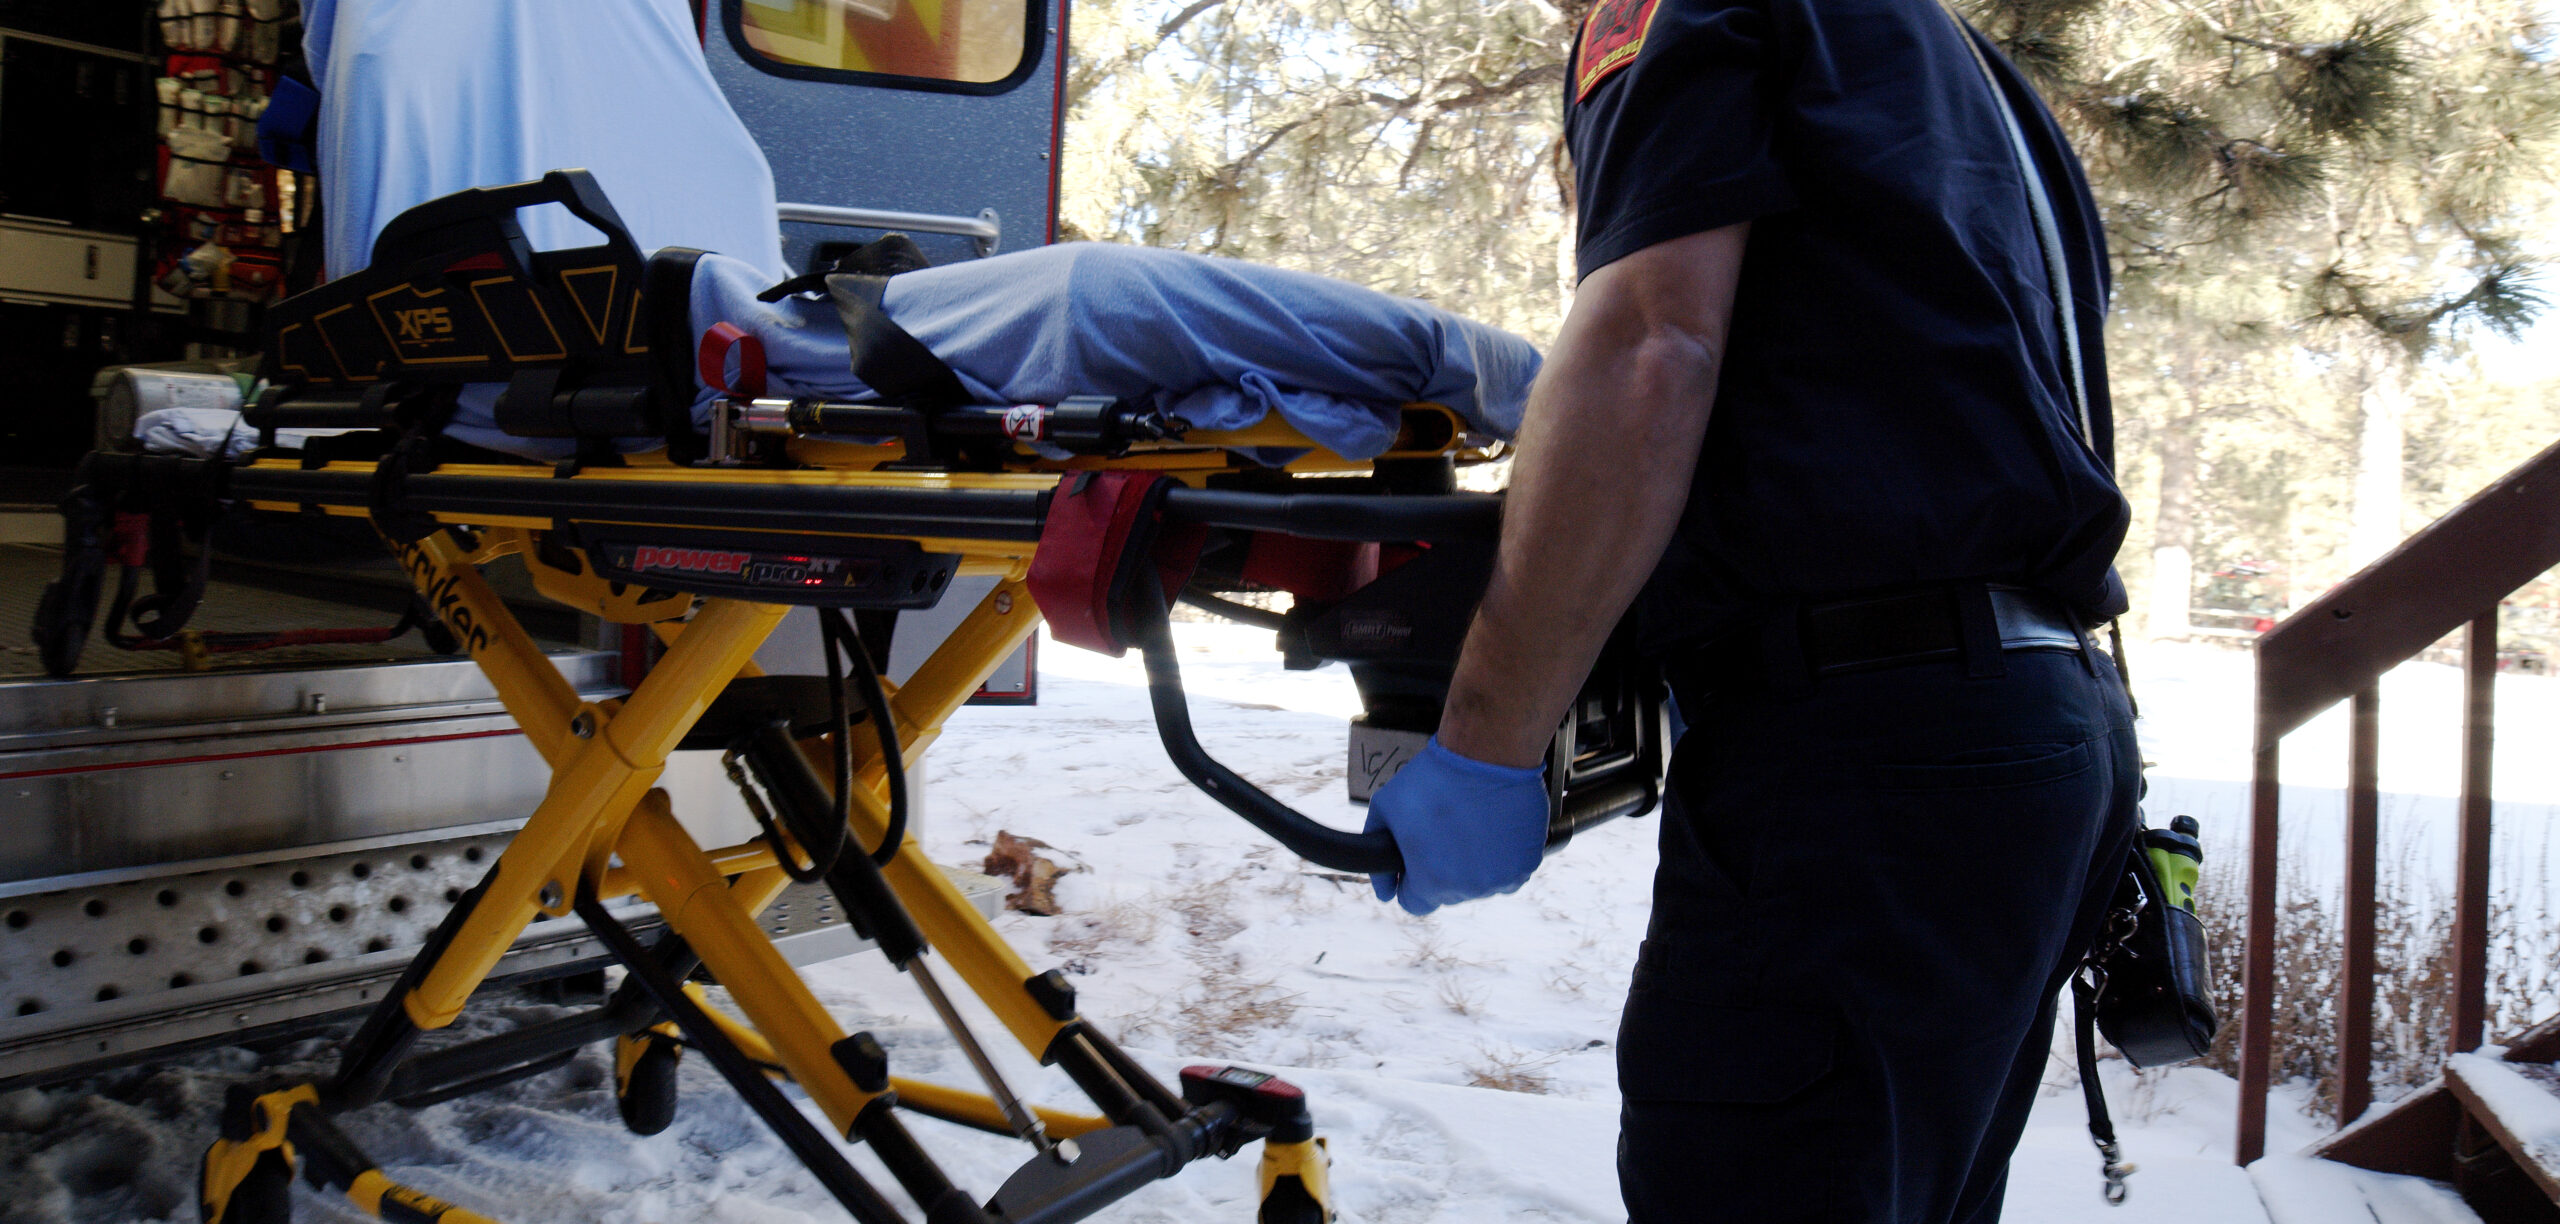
(1289, 1203)
(265, 1196)
(648, 1097)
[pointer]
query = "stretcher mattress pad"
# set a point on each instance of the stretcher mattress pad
(1219, 343)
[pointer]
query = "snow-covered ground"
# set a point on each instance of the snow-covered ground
(1461, 1065)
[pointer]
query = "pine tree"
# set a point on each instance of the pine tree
(2297, 174)
(2311, 203)
(1411, 145)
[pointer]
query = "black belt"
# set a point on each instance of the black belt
(1973, 622)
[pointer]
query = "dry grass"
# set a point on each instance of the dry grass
(1121, 922)
(1455, 996)
(1511, 1070)
(2413, 979)
(1426, 946)
(1224, 1014)
(1206, 910)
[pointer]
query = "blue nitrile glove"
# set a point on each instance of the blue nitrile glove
(1467, 829)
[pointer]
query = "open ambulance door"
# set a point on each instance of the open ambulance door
(935, 118)
(938, 119)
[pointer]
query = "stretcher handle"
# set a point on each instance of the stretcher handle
(1628, 791)
(1342, 516)
(1320, 516)
(1320, 844)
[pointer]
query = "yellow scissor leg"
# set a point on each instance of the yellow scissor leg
(979, 1110)
(698, 905)
(617, 758)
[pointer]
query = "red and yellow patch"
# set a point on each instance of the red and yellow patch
(1611, 36)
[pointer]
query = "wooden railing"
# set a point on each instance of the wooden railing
(2450, 575)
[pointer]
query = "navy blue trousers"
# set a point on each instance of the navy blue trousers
(1870, 894)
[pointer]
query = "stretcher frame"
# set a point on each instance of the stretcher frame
(605, 831)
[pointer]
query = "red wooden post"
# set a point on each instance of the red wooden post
(2258, 978)
(2355, 985)
(2471, 851)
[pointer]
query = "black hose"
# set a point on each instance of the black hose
(1242, 613)
(839, 633)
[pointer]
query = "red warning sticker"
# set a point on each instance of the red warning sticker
(1611, 36)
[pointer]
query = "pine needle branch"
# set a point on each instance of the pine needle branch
(1173, 25)
(1476, 93)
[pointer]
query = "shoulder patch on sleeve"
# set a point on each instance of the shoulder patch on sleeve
(1611, 36)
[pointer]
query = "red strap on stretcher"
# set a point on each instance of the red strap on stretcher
(1105, 535)
(711, 361)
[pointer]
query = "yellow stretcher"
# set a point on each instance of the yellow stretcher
(860, 506)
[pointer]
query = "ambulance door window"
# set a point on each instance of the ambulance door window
(969, 46)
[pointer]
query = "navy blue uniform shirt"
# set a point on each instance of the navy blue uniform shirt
(1894, 408)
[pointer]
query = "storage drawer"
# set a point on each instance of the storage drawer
(81, 267)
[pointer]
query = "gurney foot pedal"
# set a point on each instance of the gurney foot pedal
(1083, 1175)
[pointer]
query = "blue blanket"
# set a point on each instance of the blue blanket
(421, 99)
(1219, 343)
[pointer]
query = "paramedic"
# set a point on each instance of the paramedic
(1814, 416)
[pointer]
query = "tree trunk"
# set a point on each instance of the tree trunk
(2174, 531)
(2381, 437)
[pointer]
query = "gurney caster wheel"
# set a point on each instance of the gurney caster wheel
(1289, 1203)
(647, 1091)
(265, 1196)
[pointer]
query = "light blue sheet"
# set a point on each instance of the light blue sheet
(1218, 342)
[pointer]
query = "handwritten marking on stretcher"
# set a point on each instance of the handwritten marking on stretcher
(1611, 37)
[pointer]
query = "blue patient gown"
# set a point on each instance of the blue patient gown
(423, 98)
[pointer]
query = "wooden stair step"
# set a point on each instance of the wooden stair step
(2309, 1190)
(2519, 1104)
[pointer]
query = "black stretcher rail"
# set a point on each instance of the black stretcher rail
(1342, 516)
(975, 514)
(971, 514)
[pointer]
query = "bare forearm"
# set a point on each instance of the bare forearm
(1607, 450)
